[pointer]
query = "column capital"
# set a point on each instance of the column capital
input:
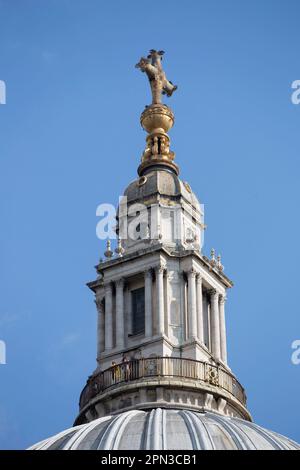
(148, 273)
(108, 286)
(198, 278)
(192, 273)
(222, 298)
(160, 268)
(99, 304)
(120, 282)
(212, 292)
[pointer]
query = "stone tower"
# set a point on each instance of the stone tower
(162, 380)
(160, 301)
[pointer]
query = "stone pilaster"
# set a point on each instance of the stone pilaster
(183, 309)
(223, 348)
(120, 343)
(192, 308)
(200, 322)
(100, 325)
(108, 317)
(215, 324)
(160, 299)
(148, 303)
(167, 278)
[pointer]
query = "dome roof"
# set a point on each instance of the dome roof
(163, 182)
(167, 429)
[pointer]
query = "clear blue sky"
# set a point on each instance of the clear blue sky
(71, 139)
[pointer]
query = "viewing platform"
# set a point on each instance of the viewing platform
(198, 384)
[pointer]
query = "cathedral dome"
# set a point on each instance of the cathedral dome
(167, 429)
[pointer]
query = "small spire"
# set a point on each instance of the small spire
(213, 257)
(119, 250)
(219, 264)
(147, 233)
(108, 253)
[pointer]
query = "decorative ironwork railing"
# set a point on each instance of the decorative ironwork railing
(162, 367)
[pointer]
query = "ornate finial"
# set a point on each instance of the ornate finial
(119, 250)
(157, 119)
(219, 264)
(108, 253)
(213, 257)
(147, 233)
(156, 75)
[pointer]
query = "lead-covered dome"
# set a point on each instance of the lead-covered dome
(167, 429)
(162, 182)
(174, 214)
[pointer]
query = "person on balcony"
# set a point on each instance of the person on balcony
(113, 372)
(126, 368)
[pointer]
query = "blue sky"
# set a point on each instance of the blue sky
(71, 139)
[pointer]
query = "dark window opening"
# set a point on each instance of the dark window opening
(142, 231)
(138, 310)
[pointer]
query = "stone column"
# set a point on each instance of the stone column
(215, 324)
(108, 317)
(127, 314)
(222, 300)
(148, 303)
(183, 318)
(167, 303)
(100, 325)
(200, 309)
(120, 313)
(192, 304)
(160, 299)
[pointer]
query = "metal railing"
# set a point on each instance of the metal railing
(162, 367)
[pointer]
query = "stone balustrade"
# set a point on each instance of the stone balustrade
(216, 376)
